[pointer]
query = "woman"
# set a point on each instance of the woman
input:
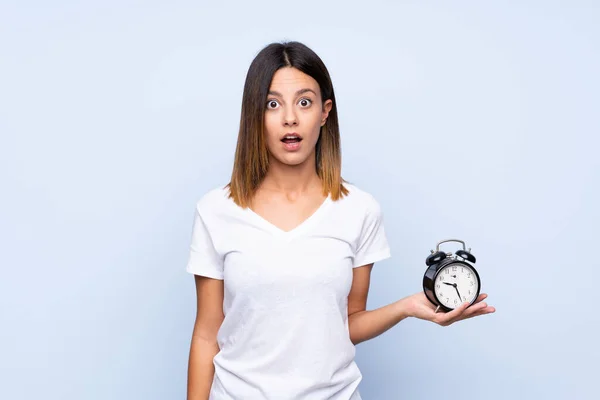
(282, 255)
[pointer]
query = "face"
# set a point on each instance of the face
(454, 280)
(293, 117)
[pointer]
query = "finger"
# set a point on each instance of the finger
(477, 311)
(449, 317)
(475, 308)
(481, 297)
(472, 311)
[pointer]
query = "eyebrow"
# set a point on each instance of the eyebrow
(298, 93)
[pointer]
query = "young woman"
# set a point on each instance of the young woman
(282, 254)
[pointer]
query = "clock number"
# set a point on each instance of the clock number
(447, 271)
(469, 292)
(471, 283)
(464, 298)
(454, 269)
(441, 277)
(437, 286)
(462, 269)
(469, 275)
(441, 294)
(455, 301)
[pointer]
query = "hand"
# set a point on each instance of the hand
(419, 306)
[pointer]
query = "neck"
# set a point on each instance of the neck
(292, 180)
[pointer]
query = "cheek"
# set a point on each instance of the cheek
(271, 129)
(312, 122)
(316, 130)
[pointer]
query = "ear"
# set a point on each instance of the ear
(326, 108)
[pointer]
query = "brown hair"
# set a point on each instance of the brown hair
(251, 155)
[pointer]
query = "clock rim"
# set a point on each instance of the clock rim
(435, 269)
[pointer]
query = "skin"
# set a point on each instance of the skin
(291, 190)
(290, 193)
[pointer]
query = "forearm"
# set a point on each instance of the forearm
(365, 325)
(201, 369)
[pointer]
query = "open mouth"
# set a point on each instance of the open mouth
(290, 139)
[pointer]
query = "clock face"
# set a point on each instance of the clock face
(456, 280)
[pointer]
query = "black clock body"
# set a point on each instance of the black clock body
(442, 263)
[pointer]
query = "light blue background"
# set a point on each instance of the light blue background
(473, 120)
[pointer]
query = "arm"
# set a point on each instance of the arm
(204, 347)
(365, 325)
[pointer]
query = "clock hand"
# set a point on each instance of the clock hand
(456, 287)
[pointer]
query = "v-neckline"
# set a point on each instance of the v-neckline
(295, 230)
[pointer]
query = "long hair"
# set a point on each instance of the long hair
(251, 155)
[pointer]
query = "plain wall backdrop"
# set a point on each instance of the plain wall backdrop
(469, 119)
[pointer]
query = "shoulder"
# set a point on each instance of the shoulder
(360, 199)
(368, 236)
(214, 200)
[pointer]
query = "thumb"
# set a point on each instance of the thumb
(453, 315)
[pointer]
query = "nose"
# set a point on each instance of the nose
(289, 117)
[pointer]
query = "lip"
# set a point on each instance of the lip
(294, 146)
(291, 134)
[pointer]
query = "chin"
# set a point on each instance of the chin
(292, 159)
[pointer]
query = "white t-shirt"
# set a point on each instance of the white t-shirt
(285, 333)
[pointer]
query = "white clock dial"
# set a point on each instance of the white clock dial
(455, 279)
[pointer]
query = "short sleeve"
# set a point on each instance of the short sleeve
(203, 258)
(372, 244)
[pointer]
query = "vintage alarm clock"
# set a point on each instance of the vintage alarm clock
(451, 280)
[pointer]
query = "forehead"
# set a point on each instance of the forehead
(290, 80)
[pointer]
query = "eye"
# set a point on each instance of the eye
(272, 104)
(305, 102)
